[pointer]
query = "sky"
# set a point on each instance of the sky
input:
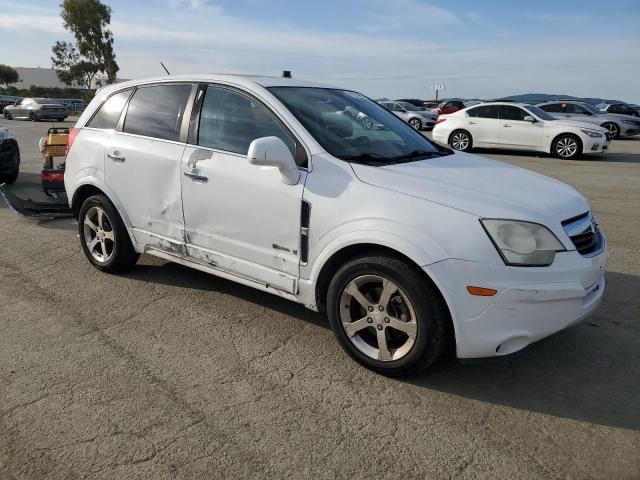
(383, 48)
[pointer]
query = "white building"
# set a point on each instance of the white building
(40, 77)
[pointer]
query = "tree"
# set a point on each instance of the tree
(8, 75)
(93, 53)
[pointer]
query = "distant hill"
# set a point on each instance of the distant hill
(545, 97)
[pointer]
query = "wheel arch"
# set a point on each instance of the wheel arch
(91, 187)
(349, 252)
(562, 134)
(453, 132)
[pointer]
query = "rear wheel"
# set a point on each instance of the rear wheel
(461, 140)
(566, 147)
(104, 237)
(8, 116)
(387, 315)
(614, 130)
(415, 123)
(33, 117)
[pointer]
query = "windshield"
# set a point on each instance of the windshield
(408, 106)
(591, 108)
(538, 112)
(354, 128)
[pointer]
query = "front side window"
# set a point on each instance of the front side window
(109, 113)
(355, 128)
(157, 111)
(509, 112)
(230, 121)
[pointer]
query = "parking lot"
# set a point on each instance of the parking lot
(166, 372)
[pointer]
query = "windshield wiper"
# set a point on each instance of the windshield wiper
(367, 158)
(415, 155)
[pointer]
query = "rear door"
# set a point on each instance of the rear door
(142, 162)
(483, 123)
(515, 132)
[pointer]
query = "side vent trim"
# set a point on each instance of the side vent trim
(305, 218)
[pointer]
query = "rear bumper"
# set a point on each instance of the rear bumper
(51, 115)
(531, 303)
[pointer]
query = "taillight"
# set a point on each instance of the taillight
(440, 120)
(73, 133)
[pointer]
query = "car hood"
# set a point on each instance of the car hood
(480, 186)
(561, 122)
(620, 116)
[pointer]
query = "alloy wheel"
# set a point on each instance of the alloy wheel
(378, 318)
(460, 141)
(367, 123)
(566, 147)
(613, 129)
(98, 234)
(415, 123)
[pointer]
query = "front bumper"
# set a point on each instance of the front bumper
(595, 145)
(630, 131)
(531, 302)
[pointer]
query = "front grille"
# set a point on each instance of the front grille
(584, 233)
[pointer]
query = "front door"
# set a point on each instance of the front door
(240, 218)
(142, 163)
(483, 123)
(515, 132)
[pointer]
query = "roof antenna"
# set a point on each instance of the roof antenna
(286, 74)
(165, 68)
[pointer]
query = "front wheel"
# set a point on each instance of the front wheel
(104, 237)
(387, 315)
(566, 147)
(415, 123)
(461, 140)
(33, 117)
(614, 129)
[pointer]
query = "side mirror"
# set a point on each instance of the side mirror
(529, 118)
(273, 152)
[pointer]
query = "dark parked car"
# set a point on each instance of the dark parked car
(36, 109)
(620, 108)
(9, 157)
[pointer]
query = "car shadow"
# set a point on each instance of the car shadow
(154, 270)
(587, 373)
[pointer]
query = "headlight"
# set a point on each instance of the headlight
(523, 243)
(591, 133)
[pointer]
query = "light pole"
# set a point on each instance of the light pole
(437, 87)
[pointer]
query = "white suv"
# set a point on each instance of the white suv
(405, 244)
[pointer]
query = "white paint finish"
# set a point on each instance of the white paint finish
(227, 215)
(147, 181)
(242, 211)
(517, 135)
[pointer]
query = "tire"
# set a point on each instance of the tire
(104, 237)
(33, 118)
(567, 147)
(10, 178)
(414, 305)
(416, 123)
(461, 140)
(8, 116)
(613, 128)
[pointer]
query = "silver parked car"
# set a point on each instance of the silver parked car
(618, 125)
(411, 114)
(36, 109)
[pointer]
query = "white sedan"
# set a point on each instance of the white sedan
(517, 126)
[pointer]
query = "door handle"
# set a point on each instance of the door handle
(196, 177)
(507, 126)
(116, 157)
(472, 123)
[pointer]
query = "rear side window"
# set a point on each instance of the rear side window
(230, 121)
(486, 111)
(552, 107)
(109, 113)
(508, 112)
(573, 108)
(157, 111)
